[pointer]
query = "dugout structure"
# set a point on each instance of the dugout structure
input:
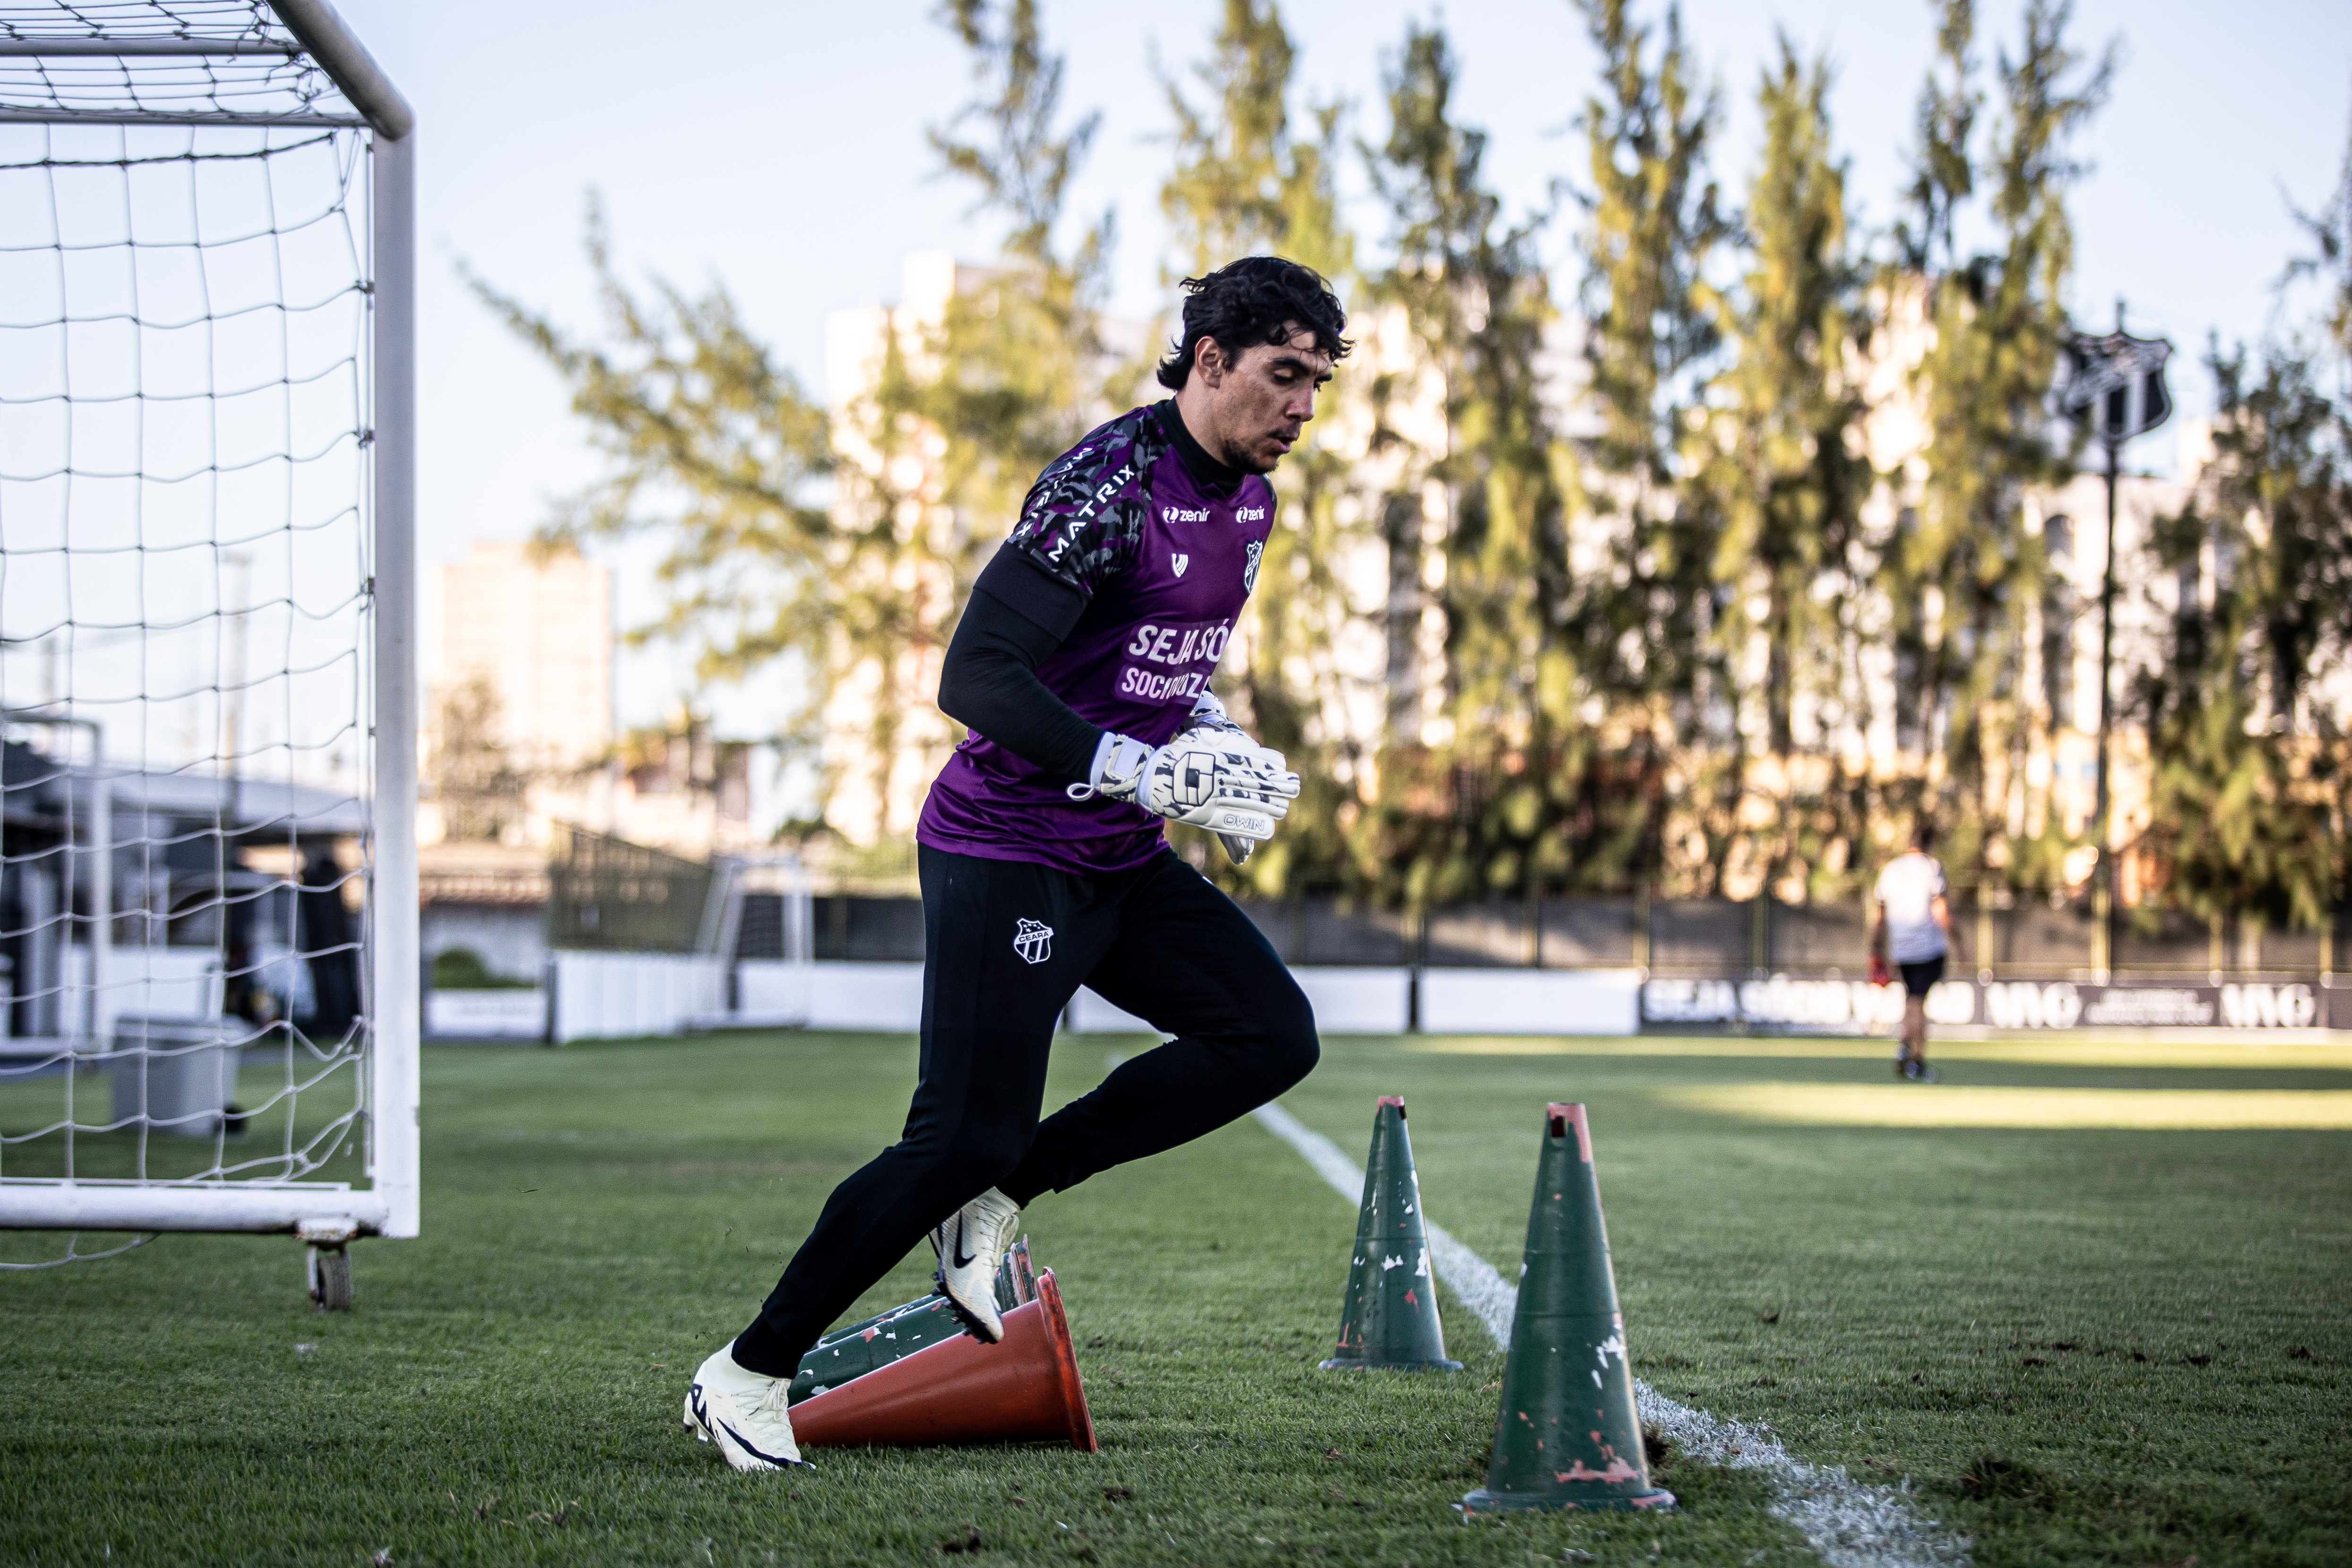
(208, 898)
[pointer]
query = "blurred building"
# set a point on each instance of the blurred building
(520, 737)
(535, 629)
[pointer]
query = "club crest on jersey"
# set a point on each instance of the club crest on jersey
(1178, 563)
(1250, 552)
(1033, 941)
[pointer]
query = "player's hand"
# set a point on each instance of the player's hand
(1212, 776)
(1209, 715)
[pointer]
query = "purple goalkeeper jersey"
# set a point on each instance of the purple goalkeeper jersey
(1166, 566)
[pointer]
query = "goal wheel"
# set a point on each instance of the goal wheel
(330, 1278)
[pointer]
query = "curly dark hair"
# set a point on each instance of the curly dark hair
(1257, 300)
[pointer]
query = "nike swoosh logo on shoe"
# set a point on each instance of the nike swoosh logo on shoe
(744, 1444)
(962, 1259)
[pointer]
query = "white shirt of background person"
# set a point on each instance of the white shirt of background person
(1907, 891)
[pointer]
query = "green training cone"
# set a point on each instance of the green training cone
(1389, 1317)
(1567, 1436)
(862, 1347)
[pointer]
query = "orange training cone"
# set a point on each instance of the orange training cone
(1567, 1436)
(1023, 1389)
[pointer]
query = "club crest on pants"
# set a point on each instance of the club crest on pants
(1032, 940)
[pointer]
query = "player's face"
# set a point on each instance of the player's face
(1265, 399)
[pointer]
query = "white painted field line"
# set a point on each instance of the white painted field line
(1851, 1523)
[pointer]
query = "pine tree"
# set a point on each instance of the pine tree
(470, 775)
(1961, 575)
(2253, 776)
(1490, 782)
(1246, 183)
(1651, 221)
(962, 413)
(1019, 370)
(1944, 175)
(2247, 814)
(2330, 231)
(717, 449)
(714, 447)
(1780, 469)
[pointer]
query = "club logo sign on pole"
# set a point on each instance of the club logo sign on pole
(2114, 385)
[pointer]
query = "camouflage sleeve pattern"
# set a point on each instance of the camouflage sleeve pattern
(1086, 511)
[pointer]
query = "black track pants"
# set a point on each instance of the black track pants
(1009, 944)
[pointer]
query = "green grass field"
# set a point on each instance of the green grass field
(2107, 1345)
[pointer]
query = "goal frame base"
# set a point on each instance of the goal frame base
(316, 1208)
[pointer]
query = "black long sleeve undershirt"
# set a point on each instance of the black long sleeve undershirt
(1017, 615)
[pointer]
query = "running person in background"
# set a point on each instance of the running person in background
(1913, 931)
(1081, 666)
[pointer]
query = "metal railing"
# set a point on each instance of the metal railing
(1673, 937)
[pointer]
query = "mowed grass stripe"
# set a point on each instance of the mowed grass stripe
(2004, 1105)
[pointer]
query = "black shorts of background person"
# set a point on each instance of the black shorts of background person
(1920, 978)
(1920, 975)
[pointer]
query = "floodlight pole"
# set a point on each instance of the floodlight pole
(2102, 881)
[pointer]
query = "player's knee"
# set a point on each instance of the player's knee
(993, 1152)
(952, 1140)
(1291, 1049)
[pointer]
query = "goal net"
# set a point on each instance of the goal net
(208, 964)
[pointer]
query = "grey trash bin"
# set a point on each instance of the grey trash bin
(173, 1075)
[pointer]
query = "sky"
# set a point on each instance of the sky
(778, 147)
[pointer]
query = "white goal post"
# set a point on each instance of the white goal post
(208, 892)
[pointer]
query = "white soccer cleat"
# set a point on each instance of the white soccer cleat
(971, 1243)
(743, 1413)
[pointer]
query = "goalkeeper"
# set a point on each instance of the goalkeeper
(1081, 667)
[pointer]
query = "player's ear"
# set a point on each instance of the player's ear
(1209, 361)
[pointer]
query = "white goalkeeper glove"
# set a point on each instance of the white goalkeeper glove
(1209, 716)
(1211, 775)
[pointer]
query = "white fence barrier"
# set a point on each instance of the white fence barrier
(621, 995)
(1347, 1001)
(1359, 1001)
(505, 1015)
(615, 994)
(624, 995)
(1090, 1014)
(845, 995)
(770, 993)
(1531, 1000)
